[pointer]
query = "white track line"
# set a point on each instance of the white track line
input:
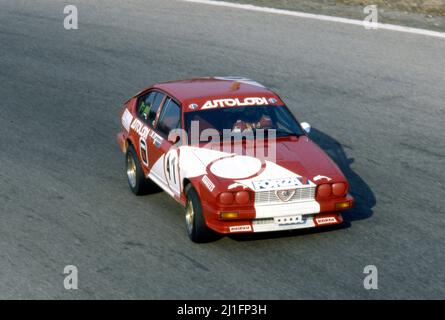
(299, 14)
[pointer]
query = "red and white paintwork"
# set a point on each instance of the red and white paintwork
(301, 166)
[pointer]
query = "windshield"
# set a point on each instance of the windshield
(242, 119)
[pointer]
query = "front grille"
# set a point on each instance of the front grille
(263, 221)
(270, 196)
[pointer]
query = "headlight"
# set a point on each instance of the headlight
(242, 197)
(339, 189)
(324, 190)
(228, 198)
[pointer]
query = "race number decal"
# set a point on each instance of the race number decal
(172, 170)
(144, 151)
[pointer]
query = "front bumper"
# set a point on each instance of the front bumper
(264, 220)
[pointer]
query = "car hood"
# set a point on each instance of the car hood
(296, 158)
(304, 157)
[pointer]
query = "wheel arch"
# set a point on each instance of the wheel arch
(186, 184)
(129, 143)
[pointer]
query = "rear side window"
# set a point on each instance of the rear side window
(155, 107)
(170, 117)
(149, 105)
(145, 104)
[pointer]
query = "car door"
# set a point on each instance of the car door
(167, 169)
(148, 106)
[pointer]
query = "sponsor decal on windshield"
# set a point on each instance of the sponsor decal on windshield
(250, 101)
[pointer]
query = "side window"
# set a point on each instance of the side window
(170, 117)
(155, 107)
(145, 104)
(149, 105)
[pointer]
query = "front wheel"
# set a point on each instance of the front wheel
(197, 229)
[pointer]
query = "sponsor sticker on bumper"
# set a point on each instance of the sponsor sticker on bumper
(243, 228)
(325, 220)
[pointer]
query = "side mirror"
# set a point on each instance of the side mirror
(173, 138)
(306, 127)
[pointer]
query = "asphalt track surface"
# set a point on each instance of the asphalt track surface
(375, 98)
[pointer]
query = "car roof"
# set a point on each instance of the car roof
(198, 91)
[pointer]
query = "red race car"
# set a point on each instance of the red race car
(230, 151)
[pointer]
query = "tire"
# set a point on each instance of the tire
(196, 227)
(138, 184)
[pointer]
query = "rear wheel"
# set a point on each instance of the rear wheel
(139, 185)
(197, 229)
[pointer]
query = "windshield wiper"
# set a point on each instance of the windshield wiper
(284, 133)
